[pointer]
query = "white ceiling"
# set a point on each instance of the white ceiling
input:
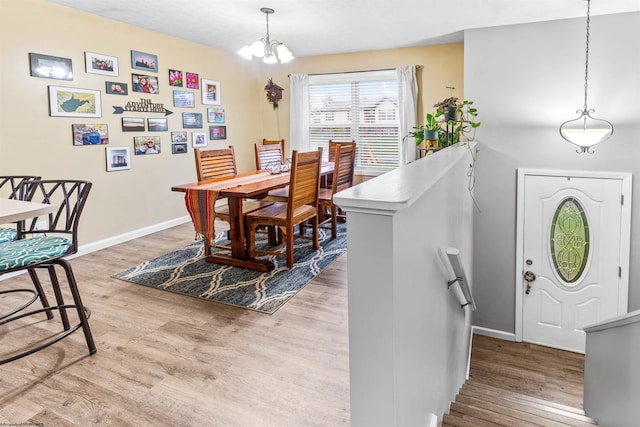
(319, 27)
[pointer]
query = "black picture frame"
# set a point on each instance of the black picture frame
(192, 120)
(217, 132)
(50, 67)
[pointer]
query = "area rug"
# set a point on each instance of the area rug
(185, 271)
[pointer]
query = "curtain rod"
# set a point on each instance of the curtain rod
(349, 72)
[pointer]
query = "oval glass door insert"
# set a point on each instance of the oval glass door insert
(569, 240)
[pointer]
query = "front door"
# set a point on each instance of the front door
(574, 256)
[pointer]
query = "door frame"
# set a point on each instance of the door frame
(625, 239)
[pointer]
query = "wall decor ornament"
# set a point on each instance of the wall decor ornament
(146, 145)
(118, 158)
(144, 61)
(144, 106)
(90, 134)
(116, 88)
(192, 120)
(144, 83)
(73, 102)
(193, 81)
(215, 115)
(198, 139)
(157, 125)
(179, 136)
(175, 78)
(50, 67)
(210, 92)
(179, 148)
(133, 124)
(274, 93)
(184, 99)
(217, 132)
(97, 63)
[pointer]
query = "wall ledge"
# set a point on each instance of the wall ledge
(622, 320)
(400, 188)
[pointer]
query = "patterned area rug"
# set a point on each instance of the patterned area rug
(185, 271)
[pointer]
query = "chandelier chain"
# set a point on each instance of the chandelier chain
(586, 63)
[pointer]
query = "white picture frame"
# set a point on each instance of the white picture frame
(97, 63)
(118, 158)
(198, 139)
(211, 94)
(73, 102)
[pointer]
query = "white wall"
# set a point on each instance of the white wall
(525, 81)
(408, 335)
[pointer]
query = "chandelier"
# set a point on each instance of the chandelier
(271, 51)
(585, 131)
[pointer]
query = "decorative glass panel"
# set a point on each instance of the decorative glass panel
(570, 240)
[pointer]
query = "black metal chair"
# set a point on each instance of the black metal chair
(11, 187)
(46, 247)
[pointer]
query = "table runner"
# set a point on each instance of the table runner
(201, 206)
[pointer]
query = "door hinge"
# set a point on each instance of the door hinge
(622, 199)
(620, 272)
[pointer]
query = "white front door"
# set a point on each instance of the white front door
(573, 260)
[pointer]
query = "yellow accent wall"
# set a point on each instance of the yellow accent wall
(121, 202)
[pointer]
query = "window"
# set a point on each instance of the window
(361, 107)
(569, 240)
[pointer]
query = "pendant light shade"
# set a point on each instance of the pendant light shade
(271, 51)
(585, 131)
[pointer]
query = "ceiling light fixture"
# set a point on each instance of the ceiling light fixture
(271, 51)
(586, 131)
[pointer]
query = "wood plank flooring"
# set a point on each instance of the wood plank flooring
(170, 360)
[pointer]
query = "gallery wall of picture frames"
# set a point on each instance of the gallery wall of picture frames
(143, 81)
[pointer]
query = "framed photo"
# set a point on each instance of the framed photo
(144, 61)
(198, 139)
(215, 115)
(146, 144)
(175, 78)
(179, 136)
(144, 83)
(50, 67)
(193, 81)
(184, 99)
(97, 63)
(118, 158)
(90, 134)
(217, 132)
(192, 120)
(72, 102)
(179, 148)
(157, 125)
(210, 92)
(132, 124)
(116, 88)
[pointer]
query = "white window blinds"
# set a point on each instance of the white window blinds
(359, 106)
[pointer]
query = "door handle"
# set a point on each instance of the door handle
(529, 277)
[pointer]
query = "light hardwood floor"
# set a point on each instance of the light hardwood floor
(170, 360)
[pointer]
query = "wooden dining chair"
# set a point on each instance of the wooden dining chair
(221, 164)
(343, 171)
(301, 206)
(44, 244)
(279, 142)
(212, 164)
(268, 154)
(333, 144)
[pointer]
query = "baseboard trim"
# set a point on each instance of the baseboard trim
(115, 240)
(508, 336)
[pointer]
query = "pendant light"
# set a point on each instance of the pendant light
(585, 131)
(271, 51)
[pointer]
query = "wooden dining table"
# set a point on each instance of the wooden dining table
(236, 189)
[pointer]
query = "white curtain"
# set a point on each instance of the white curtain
(299, 117)
(408, 98)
